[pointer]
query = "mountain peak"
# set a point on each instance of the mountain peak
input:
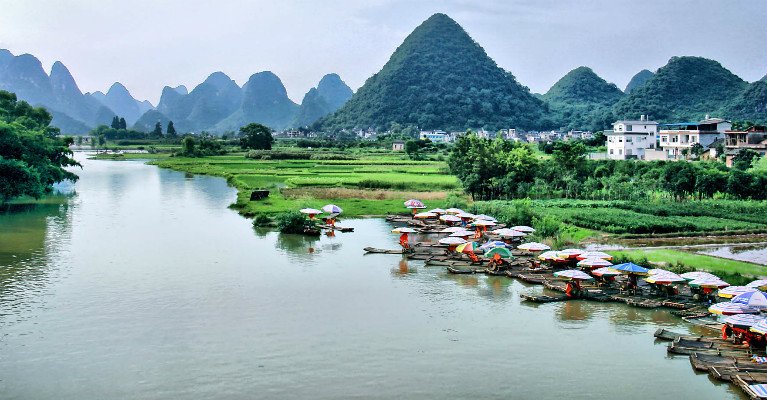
(62, 81)
(117, 88)
(581, 85)
(219, 79)
(638, 80)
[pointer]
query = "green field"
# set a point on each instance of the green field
(695, 261)
(372, 184)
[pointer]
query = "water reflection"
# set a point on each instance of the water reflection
(575, 310)
(403, 268)
(297, 247)
(750, 253)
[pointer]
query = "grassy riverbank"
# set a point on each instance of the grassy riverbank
(696, 261)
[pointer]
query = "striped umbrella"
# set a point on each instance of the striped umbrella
(759, 389)
(311, 212)
(465, 215)
(666, 278)
(573, 274)
(332, 209)
(691, 276)
(605, 271)
(481, 222)
(756, 299)
(437, 211)
(658, 271)
(730, 308)
(631, 268)
(501, 251)
(452, 229)
(550, 256)
(461, 234)
(594, 254)
(449, 218)
(485, 218)
(491, 244)
(452, 241)
(594, 262)
(506, 232)
(468, 248)
(732, 291)
(760, 284)
(710, 283)
(743, 320)
(523, 228)
(760, 327)
(425, 215)
(413, 203)
(571, 253)
(533, 246)
(454, 211)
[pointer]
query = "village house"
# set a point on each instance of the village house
(630, 139)
(676, 140)
(754, 138)
(435, 136)
(398, 145)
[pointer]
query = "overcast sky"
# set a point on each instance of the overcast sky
(147, 44)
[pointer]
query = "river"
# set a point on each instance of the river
(144, 285)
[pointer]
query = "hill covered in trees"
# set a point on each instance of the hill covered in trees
(440, 78)
(582, 100)
(638, 80)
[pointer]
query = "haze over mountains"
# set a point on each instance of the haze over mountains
(438, 78)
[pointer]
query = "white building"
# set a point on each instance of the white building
(435, 136)
(630, 139)
(676, 138)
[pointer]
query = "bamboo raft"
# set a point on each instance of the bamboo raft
(335, 228)
(543, 298)
(459, 271)
(705, 322)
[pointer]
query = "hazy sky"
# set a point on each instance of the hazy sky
(147, 44)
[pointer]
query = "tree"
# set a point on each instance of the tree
(256, 136)
(697, 150)
(102, 141)
(79, 140)
(157, 132)
(123, 125)
(171, 130)
(569, 155)
(744, 159)
(32, 156)
(115, 122)
(188, 146)
(413, 150)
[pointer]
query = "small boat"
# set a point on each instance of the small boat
(460, 271)
(374, 250)
(542, 298)
(705, 322)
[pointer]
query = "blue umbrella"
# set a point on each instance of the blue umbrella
(630, 268)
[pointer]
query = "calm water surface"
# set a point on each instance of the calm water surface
(145, 286)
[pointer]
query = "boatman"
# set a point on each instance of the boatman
(403, 241)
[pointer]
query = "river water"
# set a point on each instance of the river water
(144, 285)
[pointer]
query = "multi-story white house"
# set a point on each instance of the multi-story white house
(435, 136)
(676, 138)
(630, 139)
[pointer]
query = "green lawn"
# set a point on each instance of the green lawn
(697, 261)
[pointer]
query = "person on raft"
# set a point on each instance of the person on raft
(496, 262)
(573, 288)
(403, 241)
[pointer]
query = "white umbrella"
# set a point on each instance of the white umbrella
(413, 203)
(506, 232)
(523, 228)
(658, 271)
(605, 271)
(437, 211)
(691, 276)
(461, 234)
(573, 274)
(730, 308)
(404, 230)
(733, 291)
(452, 229)
(425, 215)
(310, 211)
(533, 246)
(485, 218)
(759, 284)
(465, 215)
(482, 222)
(666, 278)
(452, 241)
(449, 218)
(332, 209)
(454, 211)
(571, 253)
(595, 254)
(594, 262)
(756, 299)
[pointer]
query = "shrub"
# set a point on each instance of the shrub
(262, 220)
(546, 226)
(294, 222)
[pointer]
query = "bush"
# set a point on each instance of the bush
(546, 226)
(261, 220)
(294, 222)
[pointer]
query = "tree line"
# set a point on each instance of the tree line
(500, 169)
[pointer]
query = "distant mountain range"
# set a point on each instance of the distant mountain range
(438, 78)
(217, 105)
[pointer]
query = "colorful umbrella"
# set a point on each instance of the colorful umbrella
(571, 253)
(469, 248)
(501, 251)
(756, 299)
(522, 228)
(594, 262)
(743, 320)
(760, 284)
(491, 244)
(425, 215)
(449, 218)
(485, 218)
(533, 246)
(437, 211)
(465, 215)
(605, 271)
(658, 271)
(550, 256)
(506, 232)
(454, 211)
(665, 278)
(710, 283)
(461, 234)
(691, 276)
(452, 229)
(452, 241)
(404, 230)
(332, 209)
(413, 203)
(573, 274)
(760, 327)
(732, 291)
(631, 268)
(594, 254)
(310, 211)
(730, 308)
(482, 222)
